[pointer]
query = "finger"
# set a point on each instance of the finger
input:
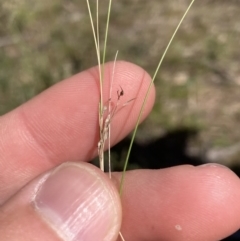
(61, 124)
(181, 203)
(72, 202)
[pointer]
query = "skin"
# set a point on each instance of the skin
(61, 124)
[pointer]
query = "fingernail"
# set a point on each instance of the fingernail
(78, 204)
(213, 165)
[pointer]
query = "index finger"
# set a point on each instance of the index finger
(61, 124)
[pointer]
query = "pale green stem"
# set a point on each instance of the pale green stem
(146, 97)
(97, 46)
(105, 44)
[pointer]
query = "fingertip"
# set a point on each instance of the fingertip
(80, 203)
(62, 123)
(75, 201)
(224, 185)
(206, 201)
(181, 203)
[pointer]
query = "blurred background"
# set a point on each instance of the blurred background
(198, 87)
(197, 112)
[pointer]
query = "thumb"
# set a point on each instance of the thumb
(73, 202)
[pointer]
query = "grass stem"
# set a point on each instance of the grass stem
(147, 94)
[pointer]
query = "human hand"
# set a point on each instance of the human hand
(41, 200)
